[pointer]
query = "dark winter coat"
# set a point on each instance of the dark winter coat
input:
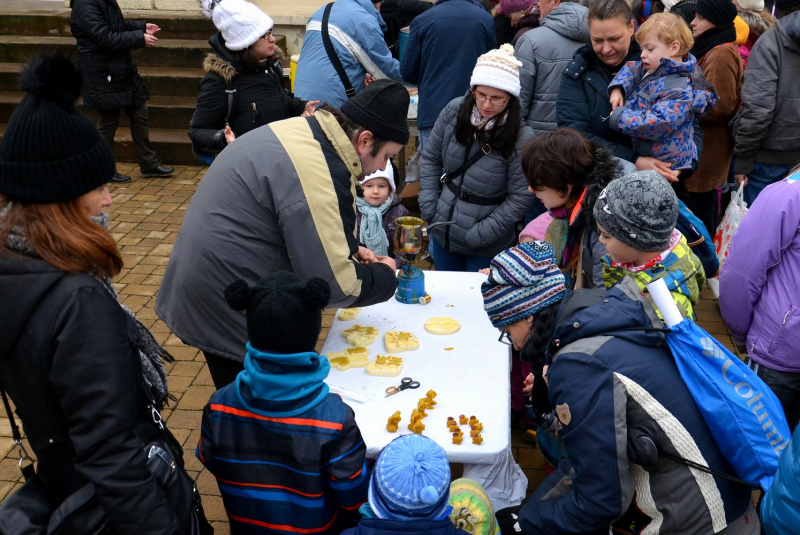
(608, 377)
(395, 210)
(767, 127)
(105, 40)
(443, 47)
(69, 362)
(478, 230)
(260, 98)
(377, 526)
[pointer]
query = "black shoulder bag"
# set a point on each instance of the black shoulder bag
(32, 511)
(446, 180)
(335, 61)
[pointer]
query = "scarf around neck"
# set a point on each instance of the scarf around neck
(483, 124)
(718, 35)
(151, 354)
(371, 232)
(282, 384)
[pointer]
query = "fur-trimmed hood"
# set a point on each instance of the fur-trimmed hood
(606, 168)
(225, 62)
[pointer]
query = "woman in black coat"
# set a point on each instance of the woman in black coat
(82, 372)
(105, 40)
(243, 86)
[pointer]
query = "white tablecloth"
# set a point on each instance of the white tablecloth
(471, 378)
(469, 371)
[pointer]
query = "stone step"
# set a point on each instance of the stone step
(178, 82)
(172, 146)
(168, 53)
(173, 24)
(165, 112)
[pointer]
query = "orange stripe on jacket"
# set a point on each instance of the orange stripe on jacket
(283, 527)
(292, 421)
(265, 486)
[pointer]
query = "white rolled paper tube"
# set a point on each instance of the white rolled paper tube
(349, 394)
(664, 302)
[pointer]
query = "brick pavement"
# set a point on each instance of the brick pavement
(145, 221)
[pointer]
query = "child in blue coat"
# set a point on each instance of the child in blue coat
(654, 100)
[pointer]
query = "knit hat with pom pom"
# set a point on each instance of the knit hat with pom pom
(411, 480)
(241, 23)
(50, 152)
(284, 312)
(498, 69)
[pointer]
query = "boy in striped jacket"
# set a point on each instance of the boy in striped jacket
(288, 456)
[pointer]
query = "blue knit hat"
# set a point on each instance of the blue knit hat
(523, 280)
(411, 480)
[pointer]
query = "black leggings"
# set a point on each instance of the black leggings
(222, 369)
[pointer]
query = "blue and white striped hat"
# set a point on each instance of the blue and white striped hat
(523, 280)
(411, 480)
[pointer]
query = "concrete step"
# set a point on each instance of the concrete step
(168, 53)
(165, 112)
(173, 24)
(178, 82)
(172, 146)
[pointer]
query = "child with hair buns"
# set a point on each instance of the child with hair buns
(654, 100)
(409, 491)
(287, 454)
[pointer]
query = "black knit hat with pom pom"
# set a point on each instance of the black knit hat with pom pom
(50, 152)
(284, 313)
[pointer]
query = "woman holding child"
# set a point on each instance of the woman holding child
(583, 98)
(471, 172)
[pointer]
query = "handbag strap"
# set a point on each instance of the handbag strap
(27, 471)
(230, 90)
(446, 177)
(337, 64)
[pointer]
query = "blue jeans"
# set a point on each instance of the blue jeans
(447, 261)
(762, 175)
(424, 133)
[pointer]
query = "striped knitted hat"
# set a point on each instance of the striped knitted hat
(472, 509)
(498, 69)
(411, 480)
(523, 280)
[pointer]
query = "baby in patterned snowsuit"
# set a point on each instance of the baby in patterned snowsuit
(654, 100)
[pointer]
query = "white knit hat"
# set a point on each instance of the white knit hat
(751, 5)
(387, 173)
(499, 69)
(240, 22)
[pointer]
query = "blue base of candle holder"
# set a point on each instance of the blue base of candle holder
(410, 285)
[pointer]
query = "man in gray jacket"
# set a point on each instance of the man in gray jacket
(282, 198)
(767, 127)
(544, 52)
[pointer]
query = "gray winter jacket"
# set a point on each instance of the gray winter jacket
(478, 230)
(281, 198)
(767, 127)
(544, 52)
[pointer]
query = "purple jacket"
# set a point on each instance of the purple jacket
(760, 281)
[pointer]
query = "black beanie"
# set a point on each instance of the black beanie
(718, 12)
(381, 108)
(50, 152)
(284, 313)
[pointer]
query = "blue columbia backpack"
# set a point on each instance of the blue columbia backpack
(699, 240)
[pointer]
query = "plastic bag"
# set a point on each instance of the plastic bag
(730, 223)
